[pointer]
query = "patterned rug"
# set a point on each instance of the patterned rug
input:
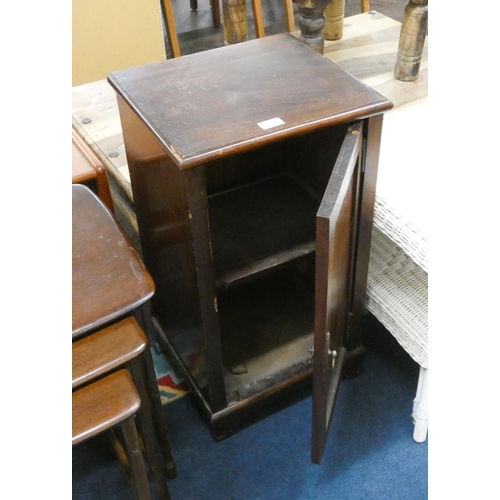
(170, 383)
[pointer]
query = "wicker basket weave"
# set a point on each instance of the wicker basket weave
(409, 237)
(397, 295)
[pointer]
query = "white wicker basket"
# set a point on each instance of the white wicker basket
(397, 295)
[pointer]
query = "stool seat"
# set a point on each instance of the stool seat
(107, 349)
(103, 351)
(108, 402)
(103, 404)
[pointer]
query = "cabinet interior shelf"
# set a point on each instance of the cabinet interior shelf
(260, 227)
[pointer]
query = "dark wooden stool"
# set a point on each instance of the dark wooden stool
(109, 402)
(110, 283)
(112, 347)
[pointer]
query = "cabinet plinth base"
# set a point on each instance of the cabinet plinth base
(237, 415)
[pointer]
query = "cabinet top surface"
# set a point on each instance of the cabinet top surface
(226, 100)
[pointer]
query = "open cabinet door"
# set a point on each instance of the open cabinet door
(336, 228)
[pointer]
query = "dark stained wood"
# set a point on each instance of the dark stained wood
(198, 105)
(336, 240)
(167, 241)
(248, 243)
(205, 277)
(107, 349)
(311, 23)
(109, 283)
(113, 347)
(103, 404)
(372, 134)
(109, 278)
(111, 401)
(227, 210)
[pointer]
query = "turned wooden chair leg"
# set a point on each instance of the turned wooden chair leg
(235, 21)
(334, 20)
(411, 41)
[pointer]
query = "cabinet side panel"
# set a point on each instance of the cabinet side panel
(161, 203)
(371, 149)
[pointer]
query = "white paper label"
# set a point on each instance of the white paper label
(273, 122)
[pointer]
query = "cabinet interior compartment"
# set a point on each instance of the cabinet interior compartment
(260, 227)
(263, 204)
(262, 215)
(266, 330)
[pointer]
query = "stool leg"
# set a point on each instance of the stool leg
(137, 469)
(215, 12)
(171, 29)
(258, 20)
(146, 424)
(158, 415)
(289, 15)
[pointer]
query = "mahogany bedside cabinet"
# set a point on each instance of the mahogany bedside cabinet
(253, 168)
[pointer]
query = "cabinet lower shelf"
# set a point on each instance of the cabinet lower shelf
(266, 331)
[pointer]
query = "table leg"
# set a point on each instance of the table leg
(156, 409)
(311, 23)
(151, 439)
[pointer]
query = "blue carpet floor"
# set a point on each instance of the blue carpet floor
(370, 453)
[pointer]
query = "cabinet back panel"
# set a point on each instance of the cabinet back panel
(311, 157)
(230, 172)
